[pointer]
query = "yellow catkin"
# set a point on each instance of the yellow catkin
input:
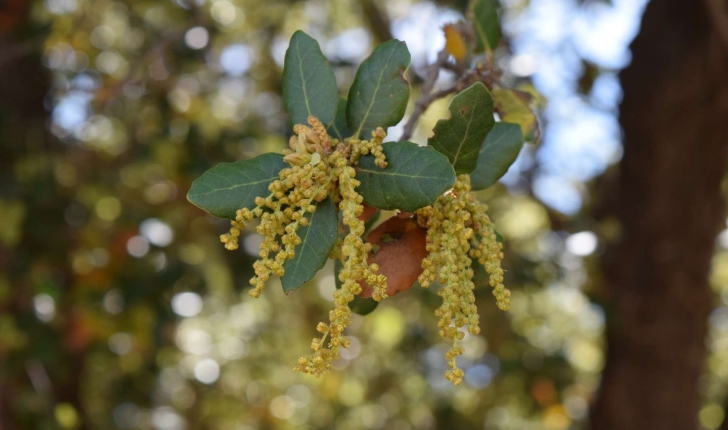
(458, 231)
(318, 170)
(353, 254)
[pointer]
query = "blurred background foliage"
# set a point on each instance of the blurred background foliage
(119, 308)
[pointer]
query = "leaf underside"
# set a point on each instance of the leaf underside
(401, 245)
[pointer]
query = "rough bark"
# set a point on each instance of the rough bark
(675, 120)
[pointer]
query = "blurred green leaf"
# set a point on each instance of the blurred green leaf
(461, 136)
(227, 187)
(498, 152)
(309, 84)
(339, 129)
(380, 92)
(317, 240)
(414, 178)
(485, 22)
(512, 106)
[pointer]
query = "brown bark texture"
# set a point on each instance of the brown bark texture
(670, 205)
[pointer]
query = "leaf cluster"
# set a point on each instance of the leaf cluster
(320, 200)
(469, 142)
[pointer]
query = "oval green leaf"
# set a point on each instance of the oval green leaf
(309, 84)
(461, 136)
(339, 129)
(498, 152)
(317, 240)
(414, 178)
(378, 97)
(227, 187)
(485, 23)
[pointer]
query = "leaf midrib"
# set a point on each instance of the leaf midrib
(486, 43)
(496, 141)
(397, 174)
(304, 242)
(465, 136)
(303, 78)
(247, 184)
(374, 96)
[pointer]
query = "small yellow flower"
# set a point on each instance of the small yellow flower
(319, 169)
(458, 232)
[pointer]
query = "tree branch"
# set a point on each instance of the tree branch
(465, 78)
(427, 97)
(378, 20)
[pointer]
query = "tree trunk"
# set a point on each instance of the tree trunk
(46, 238)
(675, 121)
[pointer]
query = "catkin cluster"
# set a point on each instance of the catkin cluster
(459, 232)
(352, 252)
(321, 167)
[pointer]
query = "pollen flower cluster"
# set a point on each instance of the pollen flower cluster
(321, 167)
(459, 232)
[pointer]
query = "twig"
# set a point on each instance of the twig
(378, 20)
(427, 97)
(465, 77)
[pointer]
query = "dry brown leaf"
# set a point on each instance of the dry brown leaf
(400, 247)
(367, 213)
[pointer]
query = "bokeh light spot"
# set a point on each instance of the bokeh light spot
(711, 416)
(45, 307)
(207, 371)
(197, 37)
(108, 208)
(582, 244)
(236, 59)
(156, 232)
(187, 304)
(137, 246)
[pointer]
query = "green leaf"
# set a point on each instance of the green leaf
(461, 136)
(227, 187)
(414, 178)
(498, 152)
(359, 305)
(485, 23)
(512, 106)
(339, 129)
(378, 97)
(309, 84)
(317, 240)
